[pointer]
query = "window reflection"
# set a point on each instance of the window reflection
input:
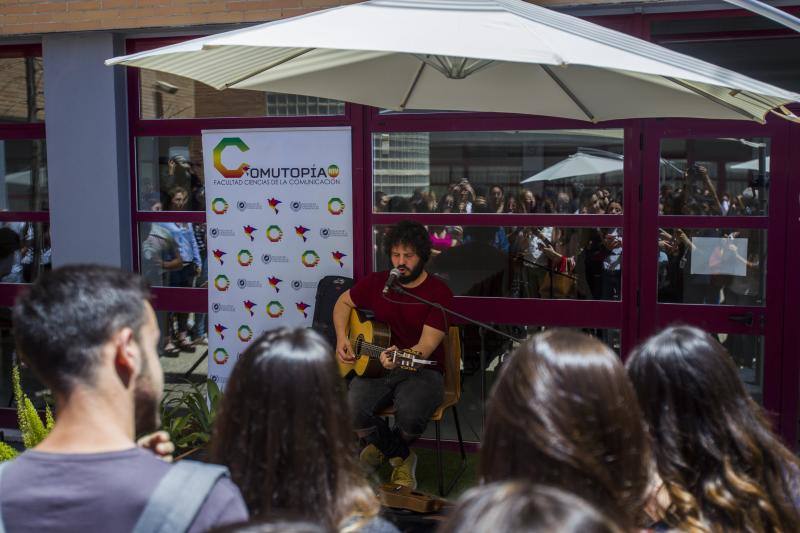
(167, 96)
(24, 251)
(173, 254)
(712, 266)
(22, 97)
(747, 352)
(523, 262)
(564, 171)
(497, 351)
(719, 177)
(166, 166)
(8, 358)
(23, 175)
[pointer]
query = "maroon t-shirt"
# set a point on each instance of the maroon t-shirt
(404, 315)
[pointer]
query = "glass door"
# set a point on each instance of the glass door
(713, 243)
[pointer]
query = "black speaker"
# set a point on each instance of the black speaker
(328, 291)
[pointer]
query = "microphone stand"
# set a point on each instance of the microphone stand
(482, 328)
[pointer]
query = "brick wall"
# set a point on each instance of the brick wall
(19, 17)
(46, 16)
(14, 89)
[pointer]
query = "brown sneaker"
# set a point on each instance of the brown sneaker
(404, 472)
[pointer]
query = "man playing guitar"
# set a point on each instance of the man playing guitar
(414, 326)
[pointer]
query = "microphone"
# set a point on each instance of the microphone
(393, 275)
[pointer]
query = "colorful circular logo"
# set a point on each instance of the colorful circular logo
(222, 282)
(219, 206)
(274, 233)
(310, 259)
(245, 258)
(333, 171)
(245, 333)
(335, 206)
(220, 356)
(274, 309)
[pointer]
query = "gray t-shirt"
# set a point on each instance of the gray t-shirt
(106, 492)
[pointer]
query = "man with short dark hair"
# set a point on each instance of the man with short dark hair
(90, 335)
(415, 326)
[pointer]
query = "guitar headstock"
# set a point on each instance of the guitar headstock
(407, 359)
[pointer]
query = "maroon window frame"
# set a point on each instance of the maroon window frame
(11, 131)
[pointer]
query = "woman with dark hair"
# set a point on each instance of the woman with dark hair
(722, 468)
(564, 414)
(518, 507)
(284, 432)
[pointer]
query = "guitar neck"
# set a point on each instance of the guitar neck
(374, 351)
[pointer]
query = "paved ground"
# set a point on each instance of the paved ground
(177, 375)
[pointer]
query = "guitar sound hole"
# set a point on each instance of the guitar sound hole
(359, 342)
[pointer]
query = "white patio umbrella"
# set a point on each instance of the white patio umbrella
(750, 165)
(587, 162)
(470, 55)
(579, 164)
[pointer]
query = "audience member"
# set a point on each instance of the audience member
(90, 335)
(285, 433)
(496, 196)
(721, 467)
(527, 201)
(517, 507)
(191, 266)
(511, 205)
(564, 414)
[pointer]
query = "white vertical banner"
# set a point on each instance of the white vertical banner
(279, 210)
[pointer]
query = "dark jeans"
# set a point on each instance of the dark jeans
(415, 395)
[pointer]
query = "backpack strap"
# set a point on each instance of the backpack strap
(178, 497)
(3, 466)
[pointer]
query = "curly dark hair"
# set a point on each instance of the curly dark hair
(722, 466)
(408, 233)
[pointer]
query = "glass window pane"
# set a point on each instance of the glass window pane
(560, 171)
(747, 352)
(24, 251)
(523, 262)
(170, 174)
(22, 94)
(712, 266)
(23, 175)
(714, 177)
(8, 358)
(470, 407)
(173, 254)
(167, 96)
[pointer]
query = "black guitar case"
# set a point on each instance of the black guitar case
(328, 291)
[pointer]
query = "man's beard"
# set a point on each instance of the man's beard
(146, 409)
(413, 275)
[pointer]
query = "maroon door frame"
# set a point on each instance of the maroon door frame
(790, 369)
(779, 358)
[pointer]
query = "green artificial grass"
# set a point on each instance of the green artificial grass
(427, 479)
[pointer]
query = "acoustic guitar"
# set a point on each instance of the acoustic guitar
(368, 338)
